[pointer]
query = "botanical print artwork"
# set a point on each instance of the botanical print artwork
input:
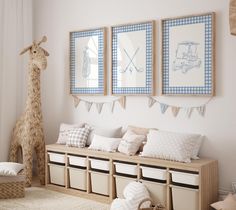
(186, 57)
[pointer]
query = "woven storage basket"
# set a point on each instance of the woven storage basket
(156, 207)
(12, 186)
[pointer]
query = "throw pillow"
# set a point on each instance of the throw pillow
(64, 132)
(130, 143)
(107, 132)
(10, 168)
(170, 145)
(138, 130)
(78, 137)
(103, 143)
(229, 203)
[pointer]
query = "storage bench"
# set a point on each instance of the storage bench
(105, 175)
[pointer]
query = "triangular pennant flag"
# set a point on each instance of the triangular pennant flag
(112, 105)
(175, 110)
(151, 101)
(76, 100)
(99, 107)
(164, 107)
(189, 111)
(88, 105)
(122, 101)
(201, 110)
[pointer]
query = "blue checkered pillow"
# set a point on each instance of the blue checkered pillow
(78, 137)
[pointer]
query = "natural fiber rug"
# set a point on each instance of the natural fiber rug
(42, 199)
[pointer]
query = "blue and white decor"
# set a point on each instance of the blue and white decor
(87, 67)
(132, 59)
(188, 55)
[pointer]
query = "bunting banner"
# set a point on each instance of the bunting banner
(151, 102)
(100, 105)
(164, 107)
(176, 109)
(76, 101)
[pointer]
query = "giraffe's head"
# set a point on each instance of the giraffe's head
(37, 54)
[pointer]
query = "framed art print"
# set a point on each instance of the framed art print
(87, 62)
(188, 55)
(132, 59)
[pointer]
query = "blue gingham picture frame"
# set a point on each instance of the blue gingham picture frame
(87, 62)
(132, 59)
(188, 55)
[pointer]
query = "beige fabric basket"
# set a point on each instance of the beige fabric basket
(12, 186)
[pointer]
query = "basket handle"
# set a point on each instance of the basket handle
(143, 201)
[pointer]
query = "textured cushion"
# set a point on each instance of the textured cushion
(64, 132)
(170, 145)
(229, 203)
(78, 137)
(130, 143)
(103, 143)
(138, 130)
(107, 132)
(10, 168)
(197, 147)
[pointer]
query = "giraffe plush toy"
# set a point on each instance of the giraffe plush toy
(28, 131)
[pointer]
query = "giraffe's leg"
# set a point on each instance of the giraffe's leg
(28, 162)
(13, 151)
(40, 153)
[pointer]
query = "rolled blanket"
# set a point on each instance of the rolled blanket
(134, 193)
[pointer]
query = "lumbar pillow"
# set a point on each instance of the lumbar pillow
(78, 137)
(229, 203)
(64, 132)
(130, 143)
(103, 143)
(170, 145)
(107, 132)
(10, 168)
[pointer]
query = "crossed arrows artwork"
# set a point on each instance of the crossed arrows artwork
(131, 64)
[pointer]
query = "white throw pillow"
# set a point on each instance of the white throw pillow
(78, 137)
(10, 168)
(197, 147)
(64, 132)
(107, 132)
(170, 145)
(103, 143)
(131, 143)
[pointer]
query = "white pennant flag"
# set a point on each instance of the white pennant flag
(201, 110)
(88, 105)
(122, 101)
(76, 100)
(164, 107)
(175, 110)
(188, 111)
(99, 107)
(151, 102)
(112, 105)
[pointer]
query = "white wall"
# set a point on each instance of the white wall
(55, 18)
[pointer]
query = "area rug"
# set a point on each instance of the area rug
(42, 199)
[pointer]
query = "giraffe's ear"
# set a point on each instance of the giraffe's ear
(25, 50)
(45, 52)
